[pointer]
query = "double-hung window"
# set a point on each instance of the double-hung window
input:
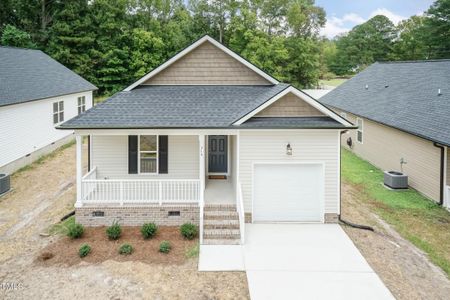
(148, 154)
(58, 112)
(81, 104)
(359, 131)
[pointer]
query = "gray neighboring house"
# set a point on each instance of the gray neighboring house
(402, 110)
(209, 138)
(36, 94)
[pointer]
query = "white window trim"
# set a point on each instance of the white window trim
(58, 112)
(157, 155)
(360, 129)
(82, 105)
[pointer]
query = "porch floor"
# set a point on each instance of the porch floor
(219, 191)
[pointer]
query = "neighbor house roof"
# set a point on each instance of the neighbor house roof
(27, 75)
(411, 96)
(184, 106)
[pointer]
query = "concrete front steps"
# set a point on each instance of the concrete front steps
(221, 225)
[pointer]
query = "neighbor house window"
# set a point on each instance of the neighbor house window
(148, 154)
(81, 104)
(359, 131)
(58, 112)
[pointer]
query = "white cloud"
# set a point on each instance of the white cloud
(385, 12)
(336, 26)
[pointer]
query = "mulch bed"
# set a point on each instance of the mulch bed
(64, 251)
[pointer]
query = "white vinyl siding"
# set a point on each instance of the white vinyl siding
(27, 127)
(110, 156)
(319, 146)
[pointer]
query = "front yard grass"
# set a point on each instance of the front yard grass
(415, 217)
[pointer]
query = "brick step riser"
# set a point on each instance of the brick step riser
(218, 226)
(221, 242)
(220, 209)
(221, 218)
(222, 236)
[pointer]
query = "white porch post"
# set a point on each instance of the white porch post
(201, 140)
(201, 153)
(79, 166)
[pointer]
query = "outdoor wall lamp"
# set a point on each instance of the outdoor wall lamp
(288, 149)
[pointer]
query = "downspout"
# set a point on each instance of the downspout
(441, 182)
(358, 226)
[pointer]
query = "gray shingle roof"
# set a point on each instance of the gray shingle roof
(403, 95)
(27, 75)
(176, 107)
(292, 122)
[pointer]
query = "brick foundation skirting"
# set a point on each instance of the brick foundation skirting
(137, 215)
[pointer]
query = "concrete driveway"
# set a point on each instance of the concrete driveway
(307, 261)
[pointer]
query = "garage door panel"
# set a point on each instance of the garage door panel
(287, 192)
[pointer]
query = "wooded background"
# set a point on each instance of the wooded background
(114, 42)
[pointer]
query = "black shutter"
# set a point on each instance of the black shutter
(163, 152)
(132, 154)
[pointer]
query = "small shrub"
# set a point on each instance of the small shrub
(125, 249)
(75, 230)
(148, 230)
(84, 250)
(189, 231)
(114, 231)
(164, 247)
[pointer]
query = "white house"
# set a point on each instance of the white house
(36, 94)
(209, 138)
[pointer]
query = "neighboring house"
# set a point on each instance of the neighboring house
(204, 138)
(403, 113)
(36, 94)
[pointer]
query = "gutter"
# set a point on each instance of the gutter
(441, 178)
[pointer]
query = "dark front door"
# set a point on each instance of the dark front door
(217, 153)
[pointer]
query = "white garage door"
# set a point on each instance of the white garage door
(287, 193)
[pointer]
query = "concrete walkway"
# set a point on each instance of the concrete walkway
(299, 261)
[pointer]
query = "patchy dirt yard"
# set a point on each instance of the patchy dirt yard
(405, 270)
(41, 196)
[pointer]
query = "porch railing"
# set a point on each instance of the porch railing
(240, 210)
(139, 191)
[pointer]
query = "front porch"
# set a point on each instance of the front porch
(193, 179)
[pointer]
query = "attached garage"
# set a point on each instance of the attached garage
(288, 192)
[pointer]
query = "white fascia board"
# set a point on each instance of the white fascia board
(192, 47)
(311, 101)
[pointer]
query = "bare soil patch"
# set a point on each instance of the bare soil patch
(404, 269)
(65, 250)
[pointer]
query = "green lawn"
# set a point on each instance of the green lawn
(416, 218)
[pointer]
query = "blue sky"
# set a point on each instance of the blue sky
(342, 15)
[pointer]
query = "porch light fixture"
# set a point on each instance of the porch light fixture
(288, 149)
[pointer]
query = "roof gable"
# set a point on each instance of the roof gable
(403, 95)
(28, 75)
(303, 97)
(206, 62)
(290, 106)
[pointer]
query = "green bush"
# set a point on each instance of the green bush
(148, 230)
(75, 230)
(84, 250)
(189, 231)
(113, 232)
(125, 249)
(164, 247)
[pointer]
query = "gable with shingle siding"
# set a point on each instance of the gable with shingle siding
(290, 106)
(207, 64)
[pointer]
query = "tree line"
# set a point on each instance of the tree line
(114, 42)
